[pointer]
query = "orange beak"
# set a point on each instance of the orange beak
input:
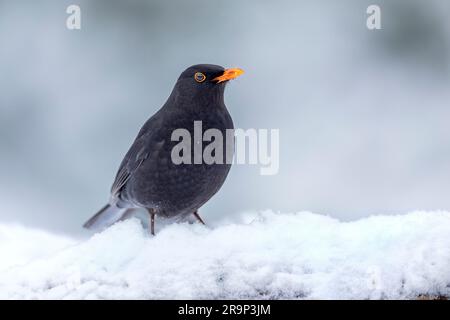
(229, 74)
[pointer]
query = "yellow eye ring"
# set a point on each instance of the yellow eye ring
(199, 77)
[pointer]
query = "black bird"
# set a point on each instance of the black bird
(148, 178)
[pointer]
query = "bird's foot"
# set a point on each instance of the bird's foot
(152, 214)
(197, 216)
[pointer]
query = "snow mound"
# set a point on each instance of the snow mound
(19, 245)
(290, 256)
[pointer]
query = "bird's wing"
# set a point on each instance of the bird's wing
(138, 153)
(133, 160)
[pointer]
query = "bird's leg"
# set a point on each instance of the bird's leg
(152, 220)
(196, 215)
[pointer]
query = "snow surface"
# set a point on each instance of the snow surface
(268, 255)
(19, 245)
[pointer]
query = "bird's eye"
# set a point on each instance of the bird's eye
(199, 77)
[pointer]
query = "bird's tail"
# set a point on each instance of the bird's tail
(105, 217)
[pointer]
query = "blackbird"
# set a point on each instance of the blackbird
(148, 177)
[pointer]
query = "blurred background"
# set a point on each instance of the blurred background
(363, 114)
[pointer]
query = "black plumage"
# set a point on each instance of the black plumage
(147, 177)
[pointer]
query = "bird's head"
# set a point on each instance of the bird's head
(205, 81)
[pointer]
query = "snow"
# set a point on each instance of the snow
(19, 245)
(267, 255)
